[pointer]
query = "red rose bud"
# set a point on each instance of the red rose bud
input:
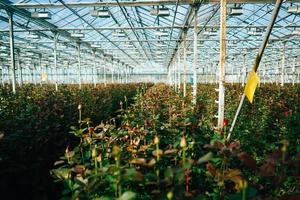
(91, 130)
(225, 122)
(286, 113)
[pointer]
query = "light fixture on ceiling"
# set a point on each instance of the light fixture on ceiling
(103, 13)
(77, 35)
(31, 46)
(3, 47)
(62, 45)
(159, 44)
(159, 33)
(235, 11)
(296, 32)
(293, 9)
(210, 32)
(29, 54)
(119, 34)
(255, 32)
(27, 59)
(231, 44)
(162, 12)
(41, 15)
(127, 44)
(33, 36)
(95, 45)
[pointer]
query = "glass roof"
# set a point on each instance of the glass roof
(131, 35)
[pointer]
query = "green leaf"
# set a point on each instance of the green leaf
(128, 195)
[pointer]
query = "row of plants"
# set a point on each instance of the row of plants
(33, 130)
(165, 148)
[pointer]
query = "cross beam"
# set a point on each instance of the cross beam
(137, 3)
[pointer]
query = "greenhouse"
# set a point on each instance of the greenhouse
(150, 99)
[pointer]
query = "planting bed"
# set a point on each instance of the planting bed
(34, 126)
(165, 148)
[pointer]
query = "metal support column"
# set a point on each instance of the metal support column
(40, 67)
(277, 72)
(86, 75)
(283, 63)
(174, 76)
(293, 72)
(94, 68)
(12, 50)
(55, 59)
(126, 74)
(169, 75)
(118, 74)
(194, 100)
(79, 65)
(104, 73)
(2, 71)
(19, 68)
(221, 100)
(264, 73)
(178, 71)
(184, 62)
(112, 71)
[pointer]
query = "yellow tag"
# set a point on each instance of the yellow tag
(44, 76)
(251, 85)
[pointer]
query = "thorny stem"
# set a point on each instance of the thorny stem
(244, 194)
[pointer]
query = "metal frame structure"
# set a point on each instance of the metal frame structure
(188, 52)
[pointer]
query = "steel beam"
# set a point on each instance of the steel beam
(137, 3)
(42, 23)
(150, 28)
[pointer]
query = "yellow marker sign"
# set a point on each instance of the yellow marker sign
(44, 76)
(251, 85)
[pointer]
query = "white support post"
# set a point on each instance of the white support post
(174, 76)
(221, 100)
(232, 74)
(68, 73)
(211, 74)
(104, 73)
(79, 65)
(118, 73)
(277, 73)
(283, 64)
(194, 100)
(126, 74)
(178, 71)
(93, 68)
(19, 68)
(264, 73)
(112, 71)
(184, 63)
(169, 75)
(40, 67)
(12, 51)
(293, 71)
(86, 75)
(244, 70)
(2, 72)
(34, 73)
(55, 60)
